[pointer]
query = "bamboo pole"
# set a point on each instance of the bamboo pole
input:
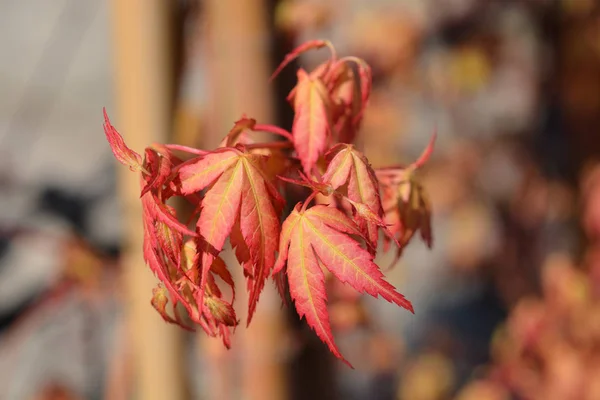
(238, 47)
(140, 37)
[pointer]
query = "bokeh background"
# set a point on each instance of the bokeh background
(508, 300)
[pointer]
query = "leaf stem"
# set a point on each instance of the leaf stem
(275, 130)
(307, 201)
(186, 149)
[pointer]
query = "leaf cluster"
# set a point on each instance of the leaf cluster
(237, 194)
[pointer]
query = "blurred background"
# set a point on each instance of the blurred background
(507, 302)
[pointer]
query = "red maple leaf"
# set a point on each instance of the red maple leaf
(237, 191)
(350, 167)
(320, 236)
(405, 201)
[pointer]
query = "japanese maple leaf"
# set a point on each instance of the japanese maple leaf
(350, 92)
(158, 162)
(350, 167)
(122, 153)
(320, 236)
(405, 201)
(207, 307)
(160, 260)
(344, 95)
(237, 191)
(312, 121)
(407, 207)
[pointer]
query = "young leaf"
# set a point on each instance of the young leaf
(312, 122)
(158, 163)
(169, 240)
(365, 79)
(345, 95)
(405, 201)
(209, 310)
(238, 192)
(122, 153)
(156, 209)
(220, 269)
(159, 302)
(351, 167)
(320, 236)
(407, 210)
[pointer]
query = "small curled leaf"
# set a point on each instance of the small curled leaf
(122, 153)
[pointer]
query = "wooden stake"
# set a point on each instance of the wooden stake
(140, 36)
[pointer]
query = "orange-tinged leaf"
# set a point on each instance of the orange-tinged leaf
(159, 167)
(206, 170)
(344, 257)
(406, 204)
(122, 153)
(338, 169)
(188, 260)
(307, 286)
(242, 253)
(320, 236)
(323, 71)
(260, 227)
(363, 188)
(218, 312)
(335, 219)
(365, 78)
(159, 302)
(156, 209)
(154, 258)
(346, 96)
(312, 121)
(239, 195)
(351, 167)
(169, 240)
(220, 209)
(287, 228)
(220, 269)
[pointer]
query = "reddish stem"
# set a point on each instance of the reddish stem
(308, 200)
(313, 44)
(186, 149)
(275, 130)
